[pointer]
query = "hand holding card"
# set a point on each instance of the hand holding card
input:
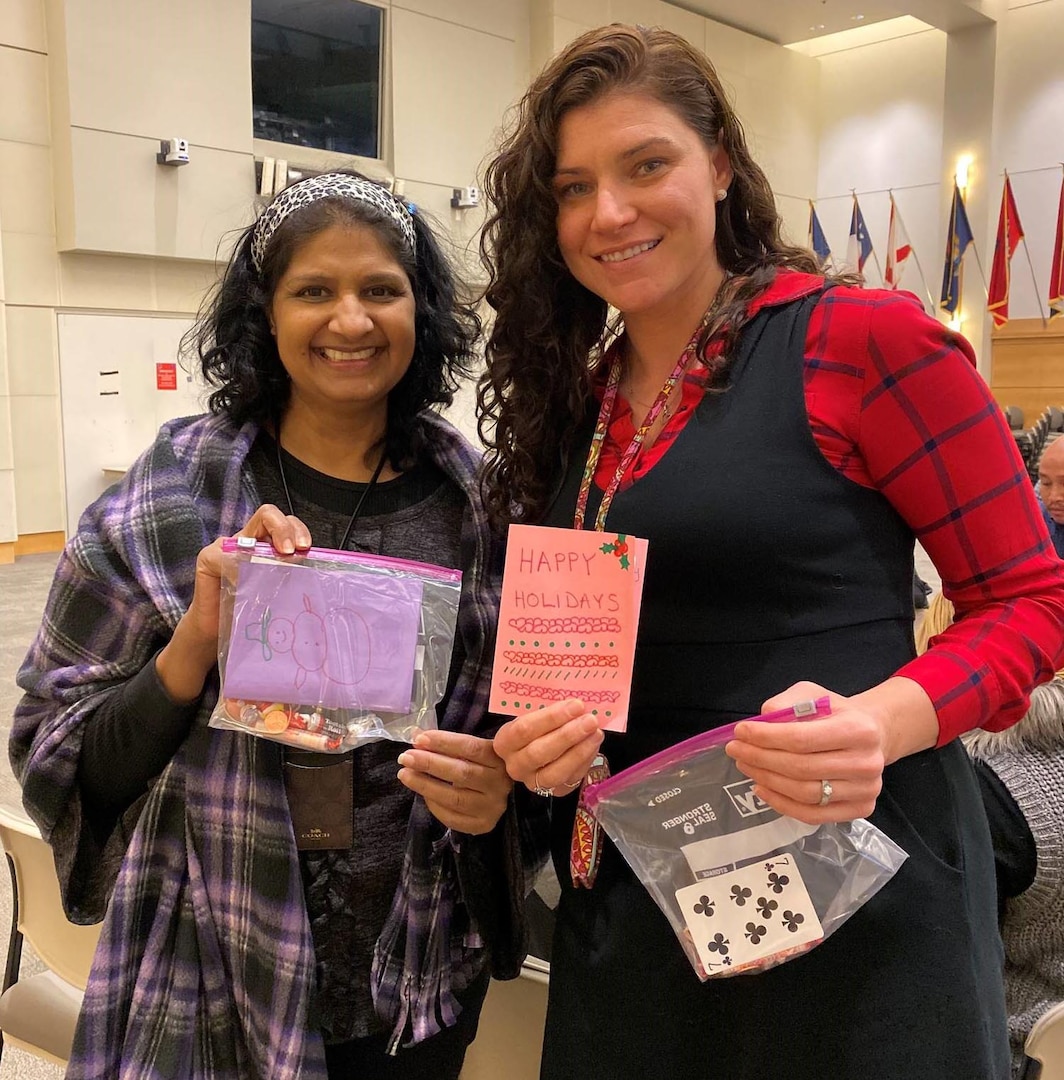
(568, 620)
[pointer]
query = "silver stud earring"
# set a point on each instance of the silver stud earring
(722, 194)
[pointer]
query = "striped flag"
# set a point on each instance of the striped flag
(898, 249)
(859, 246)
(817, 240)
(1009, 235)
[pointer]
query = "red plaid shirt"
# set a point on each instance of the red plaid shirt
(895, 403)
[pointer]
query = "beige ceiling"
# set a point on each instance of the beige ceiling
(788, 21)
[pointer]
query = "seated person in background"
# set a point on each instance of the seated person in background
(1021, 780)
(1051, 491)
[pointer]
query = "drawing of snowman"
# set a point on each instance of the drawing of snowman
(316, 643)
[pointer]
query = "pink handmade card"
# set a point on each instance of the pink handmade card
(568, 621)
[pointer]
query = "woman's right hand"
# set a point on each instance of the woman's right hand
(187, 659)
(552, 748)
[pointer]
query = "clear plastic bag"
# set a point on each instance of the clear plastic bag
(743, 887)
(326, 650)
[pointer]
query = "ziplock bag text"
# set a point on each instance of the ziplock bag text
(744, 887)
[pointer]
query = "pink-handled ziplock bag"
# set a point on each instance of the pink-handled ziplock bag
(326, 650)
(744, 887)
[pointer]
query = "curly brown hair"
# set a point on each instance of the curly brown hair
(550, 331)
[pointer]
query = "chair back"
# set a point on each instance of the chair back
(64, 948)
(1046, 1043)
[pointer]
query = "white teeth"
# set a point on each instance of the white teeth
(341, 355)
(628, 253)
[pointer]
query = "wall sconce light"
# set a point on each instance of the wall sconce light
(964, 163)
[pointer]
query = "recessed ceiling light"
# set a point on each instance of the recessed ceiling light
(856, 18)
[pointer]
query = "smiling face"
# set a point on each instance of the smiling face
(343, 317)
(636, 190)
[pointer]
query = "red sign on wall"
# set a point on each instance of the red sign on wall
(166, 376)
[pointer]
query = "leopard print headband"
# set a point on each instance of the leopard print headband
(329, 186)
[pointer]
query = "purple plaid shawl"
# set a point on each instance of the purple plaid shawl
(206, 964)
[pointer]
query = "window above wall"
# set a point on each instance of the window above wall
(316, 69)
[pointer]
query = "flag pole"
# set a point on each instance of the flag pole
(1054, 312)
(916, 258)
(975, 252)
(879, 269)
(1041, 312)
(927, 288)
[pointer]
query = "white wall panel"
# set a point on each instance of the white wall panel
(452, 87)
(110, 402)
(160, 69)
(24, 94)
(30, 269)
(499, 17)
(37, 442)
(27, 201)
(22, 24)
(32, 360)
(127, 203)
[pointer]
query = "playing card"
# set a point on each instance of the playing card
(751, 918)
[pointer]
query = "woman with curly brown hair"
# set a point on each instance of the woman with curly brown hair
(779, 438)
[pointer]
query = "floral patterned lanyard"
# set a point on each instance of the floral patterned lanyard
(585, 847)
(609, 399)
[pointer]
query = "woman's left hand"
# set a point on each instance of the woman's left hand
(790, 762)
(460, 777)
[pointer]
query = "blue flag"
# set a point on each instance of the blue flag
(957, 240)
(817, 240)
(860, 243)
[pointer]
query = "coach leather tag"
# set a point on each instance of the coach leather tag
(321, 800)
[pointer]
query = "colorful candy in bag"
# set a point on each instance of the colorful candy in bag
(743, 887)
(329, 649)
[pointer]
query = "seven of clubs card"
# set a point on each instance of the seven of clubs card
(739, 919)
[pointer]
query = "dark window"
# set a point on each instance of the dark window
(315, 74)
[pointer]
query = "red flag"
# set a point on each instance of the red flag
(1009, 235)
(1056, 273)
(898, 249)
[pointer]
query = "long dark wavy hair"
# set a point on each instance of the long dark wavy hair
(549, 330)
(238, 355)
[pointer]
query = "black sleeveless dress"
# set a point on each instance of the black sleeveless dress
(766, 567)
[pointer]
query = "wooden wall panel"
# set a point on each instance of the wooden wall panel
(1027, 365)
